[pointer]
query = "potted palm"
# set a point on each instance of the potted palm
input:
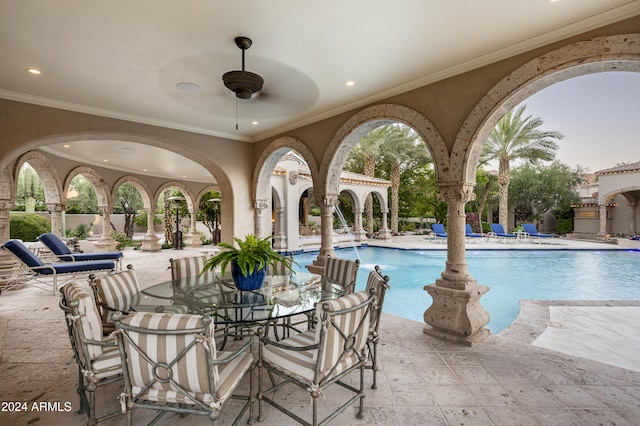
(248, 261)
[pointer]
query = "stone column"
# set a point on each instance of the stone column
(358, 230)
(150, 242)
(280, 239)
(56, 209)
(327, 203)
(106, 242)
(385, 232)
(456, 313)
(193, 236)
(632, 218)
(260, 206)
(603, 222)
(5, 208)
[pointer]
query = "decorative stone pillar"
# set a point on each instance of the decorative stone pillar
(260, 206)
(150, 242)
(632, 218)
(327, 203)
(193, 236)
(106, 242)
(358, 231)
(280, 239)
(5, 208)
(55, 210)
(456, 313)
(602, 233)
(385, 232)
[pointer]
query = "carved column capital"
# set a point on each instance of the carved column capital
(6, 204)
(329, 200)
(461, 193)
(55, 207)
(261, 205)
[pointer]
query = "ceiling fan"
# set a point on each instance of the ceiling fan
(243, 83)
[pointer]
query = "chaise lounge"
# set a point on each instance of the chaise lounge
(60, 249)
(531, 229)
(498, 231)
(69, 270)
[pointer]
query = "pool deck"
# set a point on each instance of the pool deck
(559, 363)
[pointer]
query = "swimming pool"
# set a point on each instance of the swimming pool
(511, 275)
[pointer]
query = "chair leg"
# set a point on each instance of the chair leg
(92, 404)
(84, 404)
(360, 414)
(260, 416)
(374, 367)
(314, 413)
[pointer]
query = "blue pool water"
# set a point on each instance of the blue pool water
(511, 275)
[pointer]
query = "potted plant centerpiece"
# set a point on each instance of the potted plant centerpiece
(249, 261)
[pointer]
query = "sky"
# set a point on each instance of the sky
(599, 116)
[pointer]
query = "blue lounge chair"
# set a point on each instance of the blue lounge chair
(531, 229)
(39, 269)
(60, 249)
(498, 231)
(470, 234)
(438, 232)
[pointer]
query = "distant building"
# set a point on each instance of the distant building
(609, 203)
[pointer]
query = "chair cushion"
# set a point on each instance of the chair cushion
(55, 244)
(331, 348)
(190, 370)
(185, 272)
(341, 270)
(116, 290)
(108, 363)
(89, 319)
(74, 267)
(23, 253)
(300, 363)
(375, 281)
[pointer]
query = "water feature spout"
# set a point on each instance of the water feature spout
(347, 230)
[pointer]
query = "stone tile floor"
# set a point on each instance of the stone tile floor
(504, 380)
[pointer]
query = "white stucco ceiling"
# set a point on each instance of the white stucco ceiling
(123, 59)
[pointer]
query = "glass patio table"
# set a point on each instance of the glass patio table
(279, 297)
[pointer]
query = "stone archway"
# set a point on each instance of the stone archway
(51, 183)
(457, 287)
(263, 171)
(346, 139)
(607, 53)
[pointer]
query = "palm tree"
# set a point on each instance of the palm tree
(402, 148)
(517, 138)
(366, 153)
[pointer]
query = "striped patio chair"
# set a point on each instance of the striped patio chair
(318, 358)
(343, 271)
(170, 363)
(378, 285)
(113, 293)
(185, 272)
(97, 356)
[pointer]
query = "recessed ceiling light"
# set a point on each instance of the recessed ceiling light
(65, 145)
(187, 86)
(106, 161)
(34, 71)
(255, 123)
(144, 170)
(350, 83)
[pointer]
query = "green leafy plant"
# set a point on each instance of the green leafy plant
(252, 253)
(28, 226)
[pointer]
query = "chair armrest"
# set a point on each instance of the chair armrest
(233, 355)
(267, 341)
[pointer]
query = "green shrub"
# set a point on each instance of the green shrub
(80, 232)
(28, 226)
(564, 226)
(122, 239)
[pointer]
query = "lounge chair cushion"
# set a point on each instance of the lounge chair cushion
(60, 249)
(72, 267)
(23, 253)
